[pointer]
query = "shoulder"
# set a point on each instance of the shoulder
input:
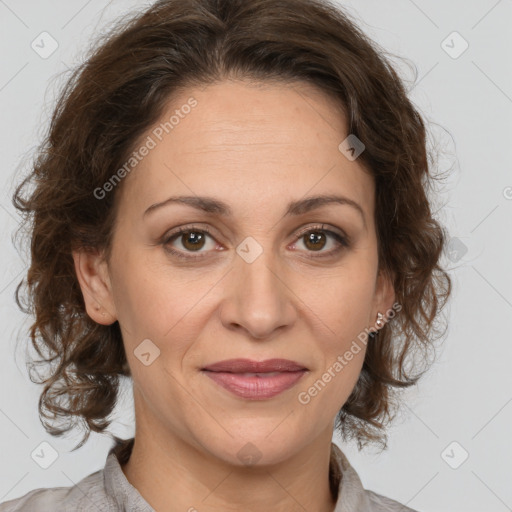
(352, 495)
(383, 504)
(38, 499)
(86, 494)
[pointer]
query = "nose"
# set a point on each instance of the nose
(257, 298)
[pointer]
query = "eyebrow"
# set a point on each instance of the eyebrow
(217, 207)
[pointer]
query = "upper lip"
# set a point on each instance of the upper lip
(248, 365)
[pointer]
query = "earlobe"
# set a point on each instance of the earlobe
(92, 274)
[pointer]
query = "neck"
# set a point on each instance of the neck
(173, 476)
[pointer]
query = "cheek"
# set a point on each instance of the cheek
(153, 297)
(340, 301)
(158, 303)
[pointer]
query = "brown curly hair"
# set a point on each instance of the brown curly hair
(121, 89)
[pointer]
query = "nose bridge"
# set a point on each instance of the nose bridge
(256, 272)
(258, 299)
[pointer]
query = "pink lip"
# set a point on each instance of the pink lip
(230, 375)
(248, 365)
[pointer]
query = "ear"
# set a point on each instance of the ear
(384, 297)
(93, 276)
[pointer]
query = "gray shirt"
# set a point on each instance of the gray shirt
(108, 490)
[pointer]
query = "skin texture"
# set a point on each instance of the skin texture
(256, 148)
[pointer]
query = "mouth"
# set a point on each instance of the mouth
(255, 380)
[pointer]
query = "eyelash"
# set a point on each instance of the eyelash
(343, 241)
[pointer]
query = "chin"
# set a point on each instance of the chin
(253, 447)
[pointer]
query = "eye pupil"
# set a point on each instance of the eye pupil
(314, 238)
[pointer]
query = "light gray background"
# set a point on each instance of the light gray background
(467, 397)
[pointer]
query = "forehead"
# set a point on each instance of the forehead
(277, 140)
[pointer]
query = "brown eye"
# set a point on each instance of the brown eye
(193, 240)
(315, 240)
(186, 241)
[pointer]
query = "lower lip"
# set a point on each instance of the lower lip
(256, 387)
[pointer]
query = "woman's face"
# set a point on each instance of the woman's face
(256, 286)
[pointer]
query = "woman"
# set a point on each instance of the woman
(231, 210)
